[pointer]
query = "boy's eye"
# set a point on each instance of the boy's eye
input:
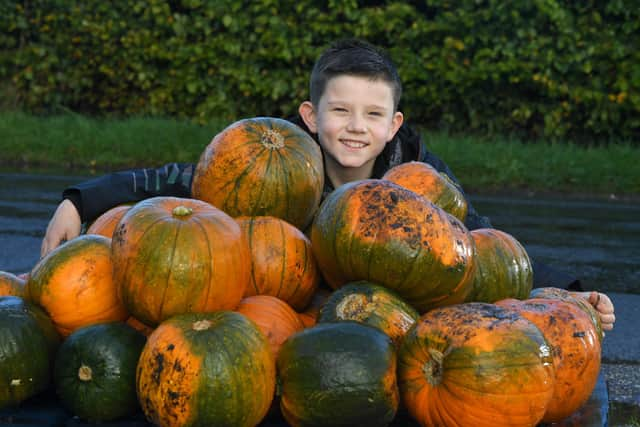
(375, 113)
(339, 109)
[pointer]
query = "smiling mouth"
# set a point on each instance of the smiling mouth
(353, 144)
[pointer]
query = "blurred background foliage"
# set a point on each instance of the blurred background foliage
(541, 69)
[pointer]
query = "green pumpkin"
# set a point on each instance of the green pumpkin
(95, 371)
(27, 347)
(371, 304)
(338, 374)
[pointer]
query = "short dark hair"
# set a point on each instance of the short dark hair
(354, 57)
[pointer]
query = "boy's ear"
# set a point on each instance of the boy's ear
(396, 122)
(308, 114)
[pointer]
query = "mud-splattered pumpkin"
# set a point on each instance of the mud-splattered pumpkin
(174, 255)
(575, 347)
(574, 298)
(206, 369)
(503, 267)
(476, 365)
(370, 304)
(75, 285)
(425, 180)
(377, 231)
(338, 374)
(282, 262)
(262, 166)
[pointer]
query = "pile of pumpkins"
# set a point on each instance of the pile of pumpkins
(254, 298)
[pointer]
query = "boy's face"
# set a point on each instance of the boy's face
(354, 120)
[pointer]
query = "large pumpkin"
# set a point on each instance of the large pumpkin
(370, 304)
(206, 369)
(575, 347)
(10, 284)
(95, 371)
(425, 180)
(106, 223)
(75, 285)
(282, 262)
(28, 343)
(274, 317)
(476, 365)
(377, 231)
(173, 255)
(262, 166)
(338, 374)
(503, 267)
(573, 298)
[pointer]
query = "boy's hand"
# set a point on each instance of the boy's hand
(603, 305)
(64, 225)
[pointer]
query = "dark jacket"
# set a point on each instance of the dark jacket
(95, 196)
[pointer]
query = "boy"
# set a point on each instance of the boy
(353, 114)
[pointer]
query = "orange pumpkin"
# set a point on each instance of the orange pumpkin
(106, 223)
(425, 180)
(74, 284)
(282, 262)
(274, 317)
(572, 297)
(575, 347)
(206, 369)
(475, 364)
(10, 284)
(378, 231)
(262, 166)
(173, 255)
(503, 267)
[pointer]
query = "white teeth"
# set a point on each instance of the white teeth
(354, 144)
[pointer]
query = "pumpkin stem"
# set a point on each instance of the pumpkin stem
(85, 373)
(432, 369)
(354, 307)
(181, 211)
(272, 139)
(201, 325)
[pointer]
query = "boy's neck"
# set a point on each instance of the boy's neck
(339, 175)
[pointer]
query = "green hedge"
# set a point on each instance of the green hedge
(537, 69)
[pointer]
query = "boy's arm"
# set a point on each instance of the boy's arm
(95, 196)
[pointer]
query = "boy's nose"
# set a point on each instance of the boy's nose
(356, 124)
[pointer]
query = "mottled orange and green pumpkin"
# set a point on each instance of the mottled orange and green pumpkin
(370, 304)
(282, 262)
(106, 223)
(338, 374)
(378, 231)
(175, 255)
(574, 298)
(425, 180)
(274, 317)
(10, 284)
(575, 348)
(206, 369)
(74, 284)
(503, 267)
(476, 365)
(262, 166)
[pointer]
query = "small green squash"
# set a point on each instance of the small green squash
(95, 371)
(338, 374)
(371, 304)
(28, 341)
